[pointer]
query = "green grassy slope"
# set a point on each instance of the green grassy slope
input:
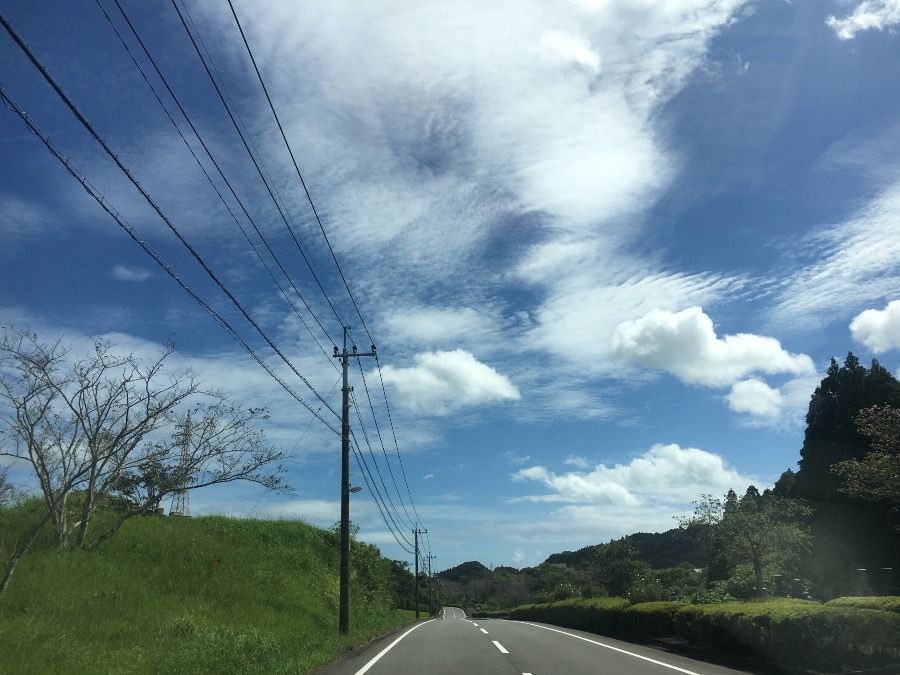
(188, 595)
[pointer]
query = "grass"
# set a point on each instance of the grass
(187, 595)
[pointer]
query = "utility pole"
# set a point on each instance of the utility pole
(344, 356)
(416, 533)
(431, 584)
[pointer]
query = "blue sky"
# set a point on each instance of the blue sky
(606, 248)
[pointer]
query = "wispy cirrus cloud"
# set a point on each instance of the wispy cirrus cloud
(847, 266)
(130, 274)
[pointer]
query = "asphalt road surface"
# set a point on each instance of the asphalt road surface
(453, 644)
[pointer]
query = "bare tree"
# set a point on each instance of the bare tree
(102, 426)
(78, 424)
(214, 443)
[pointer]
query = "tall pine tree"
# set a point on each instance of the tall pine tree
(848, 533)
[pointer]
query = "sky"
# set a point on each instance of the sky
(606, 249)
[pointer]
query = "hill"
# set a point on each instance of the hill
(186, 595)
(465, 572)
(659, 550)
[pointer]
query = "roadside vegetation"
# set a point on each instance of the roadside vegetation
(104, 584)
(803, 575)
(189, 595)
(788, 632)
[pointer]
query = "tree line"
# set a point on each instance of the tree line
(811, 534)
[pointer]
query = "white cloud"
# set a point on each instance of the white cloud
(430, 132)
(851, 264)
(443, 382)
(686, 345)
(123, 273)
(436, 325)
(665, 473)
(571, 49)
(879, 330)
(755, 397)
(868, 15)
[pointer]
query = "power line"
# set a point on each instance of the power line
(87, 125)
(297, 169)
(256, 163)
(381, 440)
(106, 206)
(215, 164)
(394, 433)
(393, 508)
(333, 255)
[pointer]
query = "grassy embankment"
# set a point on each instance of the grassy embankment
(179, 595)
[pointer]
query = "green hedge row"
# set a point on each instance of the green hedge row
(789, 632)
(888, 603)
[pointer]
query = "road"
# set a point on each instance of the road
(453, 644)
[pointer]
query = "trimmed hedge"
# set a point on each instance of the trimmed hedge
(887, 603)
(789, 632)
(796, 633)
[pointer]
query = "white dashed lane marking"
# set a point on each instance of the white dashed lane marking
(502, 649)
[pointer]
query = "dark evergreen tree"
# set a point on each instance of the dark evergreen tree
(832, 435)
(848, 533)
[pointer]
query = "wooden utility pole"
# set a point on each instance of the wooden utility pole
(344, 356)
(416, 533)
(431, 585)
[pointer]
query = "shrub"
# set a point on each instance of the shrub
(648, 620)
(795, 633)
(887, 603)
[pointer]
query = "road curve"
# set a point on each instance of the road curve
(454, 645)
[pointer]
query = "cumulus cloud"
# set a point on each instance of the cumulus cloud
(664, 473)
(755, 397)
(686, 345)
(123, 273)
(443, 382)
(868, 15)
(879, 330)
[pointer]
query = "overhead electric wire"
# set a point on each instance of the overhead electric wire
(256, 162)
(275, 199)
(297, 169)
(106, 206)
(87, 125)
(374, 460)
(218, 168)
(373, 489)
(327, 241)
(381, 441)
(366, 479)
(394, 433)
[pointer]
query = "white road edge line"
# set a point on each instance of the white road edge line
(615, 649)
(384, 651)
(502, 649)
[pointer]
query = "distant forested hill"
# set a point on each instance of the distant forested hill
(659, 550)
